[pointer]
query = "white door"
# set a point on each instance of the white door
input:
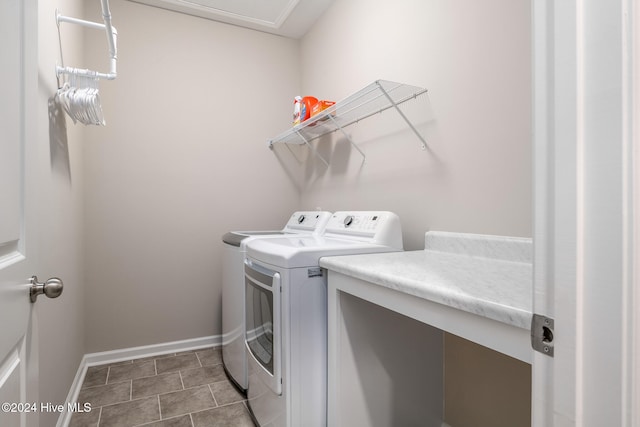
(18, 90)
(587, 211)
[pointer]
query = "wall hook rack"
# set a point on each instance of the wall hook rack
(79, 94)
(112, 35)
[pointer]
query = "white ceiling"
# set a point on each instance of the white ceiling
(289, 18)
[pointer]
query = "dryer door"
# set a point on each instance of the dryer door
(263, 331)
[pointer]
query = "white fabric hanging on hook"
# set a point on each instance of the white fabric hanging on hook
(80, 98)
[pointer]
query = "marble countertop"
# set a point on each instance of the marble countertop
(490, 276)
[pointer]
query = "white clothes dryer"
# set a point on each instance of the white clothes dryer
(286, 314)
(234, 356)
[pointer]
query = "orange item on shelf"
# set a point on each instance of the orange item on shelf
(321, 106)
(308, 102)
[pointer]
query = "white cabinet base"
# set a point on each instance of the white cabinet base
(385, 365)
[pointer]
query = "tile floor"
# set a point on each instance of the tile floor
(187, 389)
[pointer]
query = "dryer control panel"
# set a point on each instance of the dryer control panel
(361, 222)
(379, 227)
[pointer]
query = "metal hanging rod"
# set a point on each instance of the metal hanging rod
(112, 35)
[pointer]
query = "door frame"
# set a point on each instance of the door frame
(586, 125)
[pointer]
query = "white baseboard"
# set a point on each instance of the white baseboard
(113, 356)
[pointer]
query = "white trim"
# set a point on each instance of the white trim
(113, 356)
(232, 16)
(13, 257)
(586, 226)
(219, 14)
(632, 399)
(580, 212)
(635, 154)
(631, 222)
(65, 416)
(543, 202)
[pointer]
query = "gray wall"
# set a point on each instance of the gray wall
(182, 160)
(196, 99)
(60, 322)
(475, 59)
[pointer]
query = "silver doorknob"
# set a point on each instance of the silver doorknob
(51, 288)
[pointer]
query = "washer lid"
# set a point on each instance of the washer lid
(235, 238)
(306, 251)
(302, 222)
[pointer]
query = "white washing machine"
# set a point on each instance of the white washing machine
(234, 355)
(286, 314)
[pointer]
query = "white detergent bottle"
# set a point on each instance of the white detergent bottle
(297, 103)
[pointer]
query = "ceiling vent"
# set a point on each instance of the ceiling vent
(289, 18)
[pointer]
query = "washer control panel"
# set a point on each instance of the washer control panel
(313, 221)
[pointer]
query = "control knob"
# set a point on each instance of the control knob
(348, 220)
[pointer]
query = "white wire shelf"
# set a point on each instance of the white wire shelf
(375, 98)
